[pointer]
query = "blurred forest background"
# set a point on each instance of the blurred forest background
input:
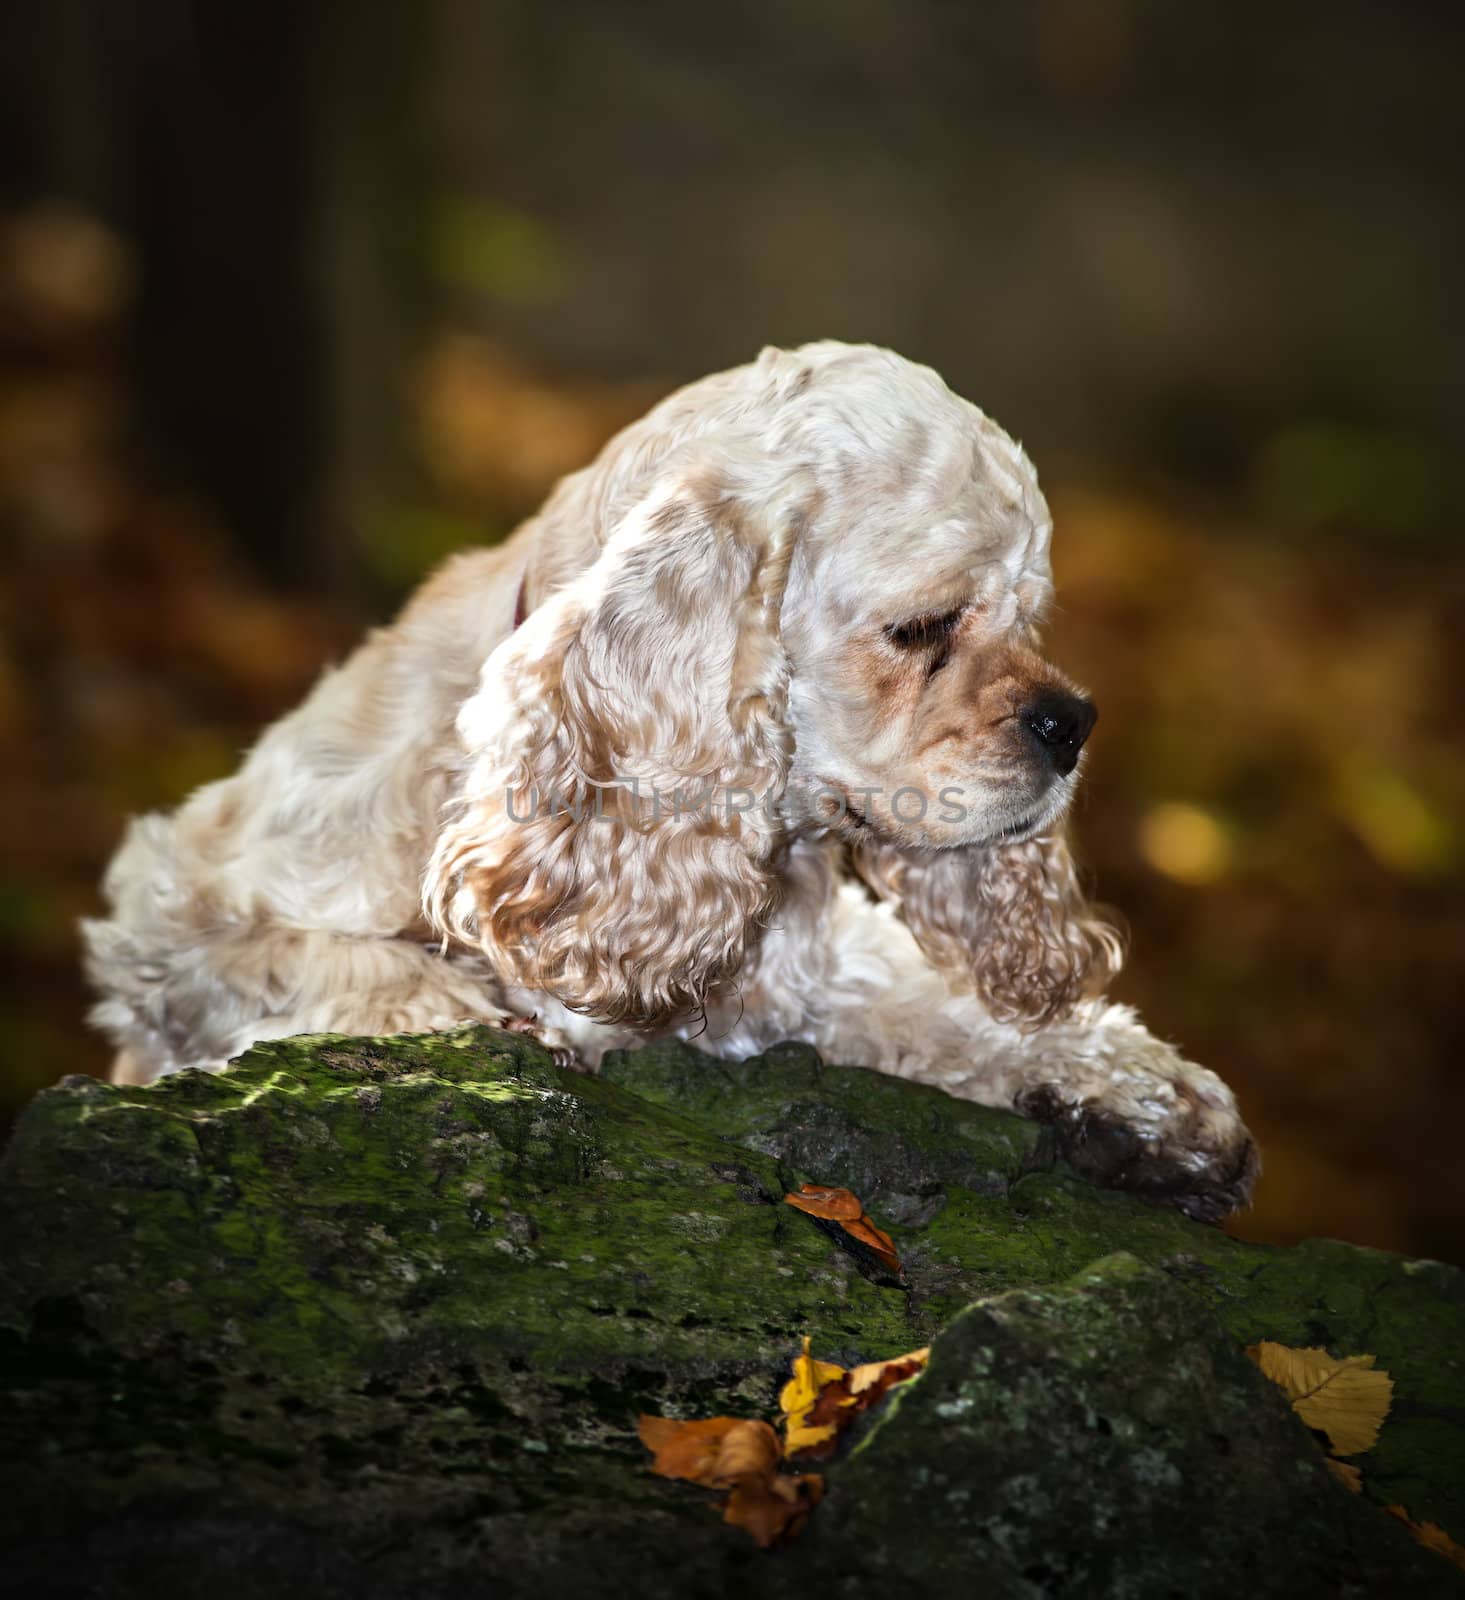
(295, 297)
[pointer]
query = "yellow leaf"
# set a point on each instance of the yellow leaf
(884, 1374)
(797, 1398)
(841, 1399)
(799, 1438)
(1343, 1397)
(810, 1376)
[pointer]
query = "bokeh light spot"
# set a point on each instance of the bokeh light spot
(1397, 825)
(1185, 842)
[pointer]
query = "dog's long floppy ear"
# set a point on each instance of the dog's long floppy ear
(1009, 920)
(661, 664)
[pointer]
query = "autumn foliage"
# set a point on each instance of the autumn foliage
(743, 1459)
(747, 1459)
(1346, 1398)
(822, 1399)
(841, 1213)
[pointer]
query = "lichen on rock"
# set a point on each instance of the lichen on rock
(377, 1316)
(1101, 1436)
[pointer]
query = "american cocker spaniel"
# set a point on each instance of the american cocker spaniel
(744, 737)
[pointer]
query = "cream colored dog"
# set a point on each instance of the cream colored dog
(744, 738)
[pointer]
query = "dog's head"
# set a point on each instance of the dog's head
(798, 597)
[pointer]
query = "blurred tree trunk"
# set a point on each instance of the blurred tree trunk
(265, 163)
(371, 88)
(228, 337)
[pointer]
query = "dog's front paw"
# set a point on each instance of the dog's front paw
(1174, 1138)
(555, 1042)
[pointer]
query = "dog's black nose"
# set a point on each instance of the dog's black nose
(1060, 723)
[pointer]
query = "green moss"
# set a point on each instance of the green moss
(432, 1281)
(1098, 1436)
(993, 1212)
(352, 1200)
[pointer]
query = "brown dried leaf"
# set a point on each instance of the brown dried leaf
(1346, 1474)
(882, 1375)
(742, 1457)
(774, 1510)
(716, 1451)
(684, 1449)
(1343, 1397)
(750, 1453)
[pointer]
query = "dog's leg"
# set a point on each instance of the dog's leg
(404, 987)
(1124, 1106)
(1128, 1109)
(173, 1007)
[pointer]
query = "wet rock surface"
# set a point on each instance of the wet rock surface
(376, 1317)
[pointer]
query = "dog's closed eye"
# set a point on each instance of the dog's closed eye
(925, 632)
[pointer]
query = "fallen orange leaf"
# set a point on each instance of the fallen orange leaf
(839, 1205)
(743, 1458)
(844, 1208)
(750, 1452)
(1346, 1474)
(1432, 1536)
(683, 1449)
(716, 1451)
(876, 1239)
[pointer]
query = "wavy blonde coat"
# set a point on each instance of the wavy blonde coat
(812, 579)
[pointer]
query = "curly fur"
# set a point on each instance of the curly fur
(814, 584)
(1010, 920)
(631, 922)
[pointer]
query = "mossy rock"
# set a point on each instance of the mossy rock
(376, 1317)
